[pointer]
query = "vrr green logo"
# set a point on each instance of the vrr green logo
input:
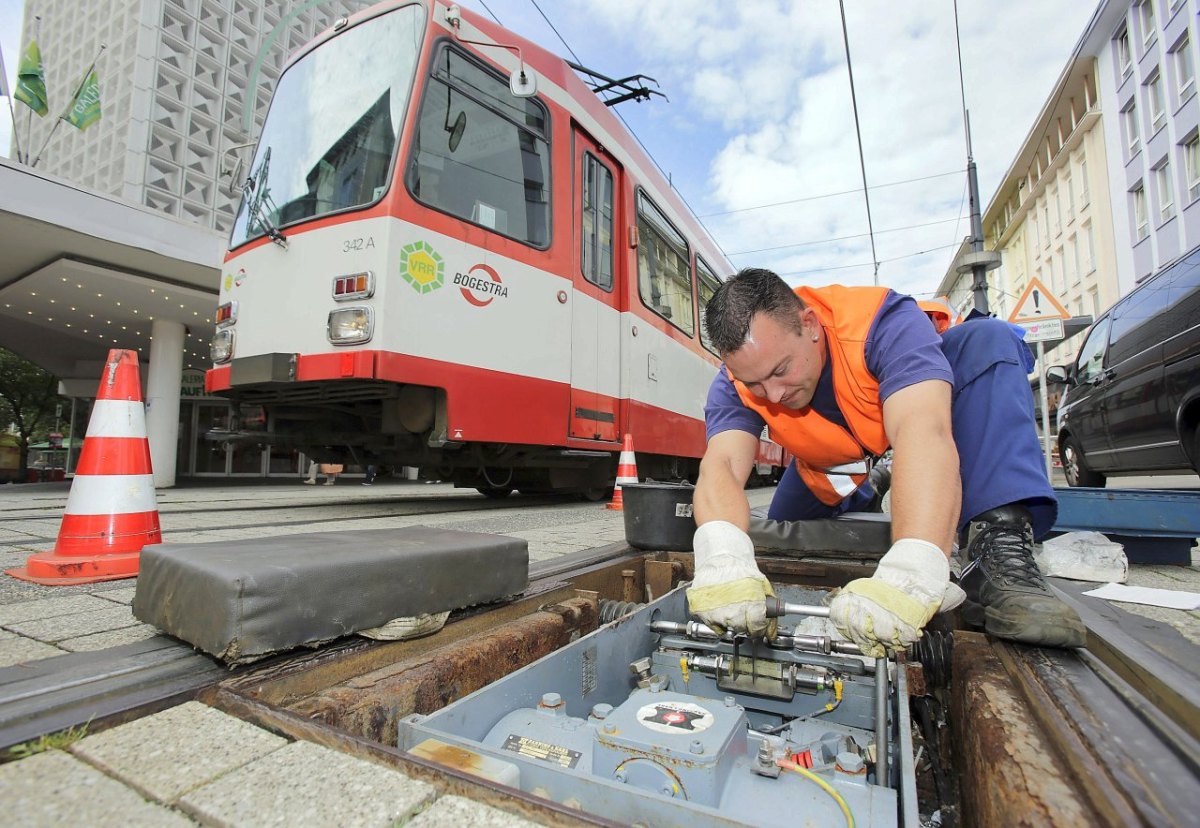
(422, 267)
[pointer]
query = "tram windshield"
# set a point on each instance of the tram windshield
(332, 128)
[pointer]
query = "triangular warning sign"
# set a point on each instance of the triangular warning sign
(1036, 304)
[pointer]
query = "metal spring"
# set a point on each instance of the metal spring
(612, 610)
(933, 650)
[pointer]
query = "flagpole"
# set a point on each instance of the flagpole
(37, 38)
(11, 112)
(87, 74)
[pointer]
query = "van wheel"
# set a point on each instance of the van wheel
(1075, 468)
(495, 492)
(1196, 451)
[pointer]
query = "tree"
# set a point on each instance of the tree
(28, 398)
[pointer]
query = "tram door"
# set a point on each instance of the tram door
(596, 322)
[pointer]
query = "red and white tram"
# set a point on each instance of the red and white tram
(451, 254)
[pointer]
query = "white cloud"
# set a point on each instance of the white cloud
(765, 84)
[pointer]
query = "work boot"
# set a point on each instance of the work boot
(1002, 577)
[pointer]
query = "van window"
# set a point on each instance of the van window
(1183, 297)
(1090, 362)
(1130, 332)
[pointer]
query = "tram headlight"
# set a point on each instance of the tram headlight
(221, 346)
(349, 326)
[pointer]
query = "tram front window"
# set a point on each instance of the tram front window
(482, 154)
(330, 134)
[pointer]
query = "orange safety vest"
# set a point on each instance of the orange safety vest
(832, 460)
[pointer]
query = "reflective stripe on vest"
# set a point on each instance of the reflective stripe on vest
(831, 458)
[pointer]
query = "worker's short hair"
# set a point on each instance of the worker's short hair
(732, 308)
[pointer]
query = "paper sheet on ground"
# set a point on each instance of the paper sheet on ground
(1169, 598)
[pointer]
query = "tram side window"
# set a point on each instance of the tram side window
(706, 286)
(596, 253)
(481, 154)
(664, 277)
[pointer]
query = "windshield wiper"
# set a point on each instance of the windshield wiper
(261, 203)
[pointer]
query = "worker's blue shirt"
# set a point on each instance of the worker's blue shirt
(902, 349)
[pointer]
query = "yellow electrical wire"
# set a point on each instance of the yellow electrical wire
(837, 696)
(825, 786)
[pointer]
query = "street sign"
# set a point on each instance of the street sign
(1043, 330)
(1037, 304)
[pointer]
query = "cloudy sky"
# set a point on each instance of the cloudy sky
(758, 134)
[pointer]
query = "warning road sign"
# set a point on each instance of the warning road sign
(1037, 304)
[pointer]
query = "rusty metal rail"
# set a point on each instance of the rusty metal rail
(1056, 737)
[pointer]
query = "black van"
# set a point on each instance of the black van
(1133, 398)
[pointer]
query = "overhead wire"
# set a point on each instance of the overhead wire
(551, 25)
(866, 264)
(833, 195)
(875, 261)
(492, 13)
(636, 137)
(845, 238)
(862, 163)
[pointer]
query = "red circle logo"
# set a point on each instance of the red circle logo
(469, 294)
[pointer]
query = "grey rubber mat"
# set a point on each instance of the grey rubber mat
(243, 600)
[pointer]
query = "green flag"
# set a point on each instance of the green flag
(85, 110)
(31, 79)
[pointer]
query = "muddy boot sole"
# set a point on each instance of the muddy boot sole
(1059, 632)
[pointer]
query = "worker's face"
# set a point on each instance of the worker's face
(778, 364)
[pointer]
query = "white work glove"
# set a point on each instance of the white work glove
(728, 592)
(888, 610)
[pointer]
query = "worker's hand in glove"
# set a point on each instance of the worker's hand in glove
(728, 592)
(888, 610)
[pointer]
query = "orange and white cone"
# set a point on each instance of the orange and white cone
(626, 473)
(111, 511)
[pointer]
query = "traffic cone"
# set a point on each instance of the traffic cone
(626, 473)
(111, 510)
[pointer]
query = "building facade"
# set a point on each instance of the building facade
(1147, 54)
(1105, 189)
(181, 83)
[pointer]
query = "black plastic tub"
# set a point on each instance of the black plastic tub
(658, 516)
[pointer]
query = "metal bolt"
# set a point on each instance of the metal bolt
(619, 776)
(657, 684)
(601, 711)
(696, 746)
(667, 790)
(850, 762)
(609, 727)
(730, 701)
(551, 700)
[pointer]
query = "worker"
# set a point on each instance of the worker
(840, 375)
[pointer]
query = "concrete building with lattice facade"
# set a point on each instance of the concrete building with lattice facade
(181, 82)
